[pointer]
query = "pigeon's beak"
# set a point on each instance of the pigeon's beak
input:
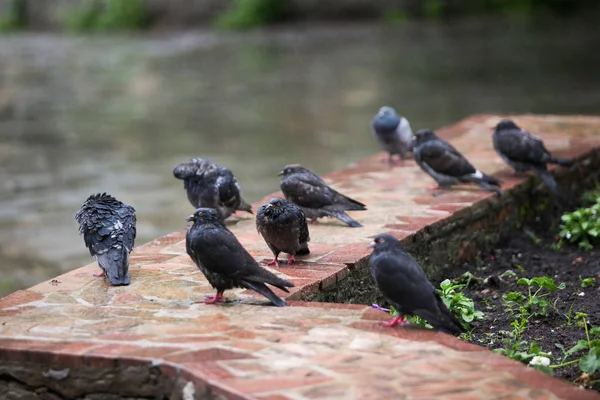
(371, 245)
(190, 218)
(280, 173)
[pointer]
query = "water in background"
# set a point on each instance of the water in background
(83, 115)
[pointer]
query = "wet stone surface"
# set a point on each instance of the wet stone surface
(246, 348)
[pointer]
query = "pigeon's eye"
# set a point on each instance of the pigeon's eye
(276, 203)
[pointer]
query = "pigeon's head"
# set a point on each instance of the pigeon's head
(205, 215)
(274, 207)
(506, 125)
(383, 241)
(422, 136)
(292, 169)
(386, 119)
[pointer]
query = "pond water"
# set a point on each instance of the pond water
(83, 115)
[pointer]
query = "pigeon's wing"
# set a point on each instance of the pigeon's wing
(104, 232)
(228, 189)
(520, 146)
(445, 159)
(220, 252)
(304, 234)
(307, 190)
(128, 219)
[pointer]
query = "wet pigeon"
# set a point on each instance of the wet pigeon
(223, 260)
(284, 228)
(393, 132)
(524, 151)
(406, 287)
(210, 185)
(446, 165)
(108, 229)
(309, 192)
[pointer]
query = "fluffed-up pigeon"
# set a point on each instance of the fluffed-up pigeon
(524, 152)
(309, 192)
(108, 229)
(224, 261)
(284, 228)
(446, 165)
(393, 132)
(406, 287)
(210, 185)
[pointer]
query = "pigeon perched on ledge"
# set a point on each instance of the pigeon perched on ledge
(446, 165)
(209, 185)
(224, 261)
(406, 287)
(526, 152)
(108, 229)
(284, 228)
(393, 132)
(314, 197)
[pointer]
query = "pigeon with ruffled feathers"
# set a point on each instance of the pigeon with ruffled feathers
(446, 165)
(284, 228)
(210, 185)
(393, 132)
(108, 229)
(406, 287)
(524, 151)
(314, 197)
(224, 261)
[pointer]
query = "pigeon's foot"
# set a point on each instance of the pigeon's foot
(312, 220)
(213, 299)
(275, 262)
(291, 260)
(399, 319)
(100, 275)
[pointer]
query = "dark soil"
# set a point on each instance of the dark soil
(529, 254)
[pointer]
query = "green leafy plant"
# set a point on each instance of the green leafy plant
(246, 14)
(532, 355)
(535, 303)
(113, 15)
(15, 16)
(588, 282)
(581, 227)
(590, 362)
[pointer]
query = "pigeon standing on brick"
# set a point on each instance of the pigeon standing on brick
(284, 228)
(314, 197)
(393, 132)
(406, 287)
(224, 261)
(108, 229)
(526, 152)
(209, 185)
(446, 165)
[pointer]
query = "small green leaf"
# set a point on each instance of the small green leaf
(590, 363)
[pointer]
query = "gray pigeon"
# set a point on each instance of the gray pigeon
(284, 228)
(209, 185)
(446, 165)
(309, 192)
(224, 261)
(393, 132)
(524, 151)
(406, 287)
(108, 229)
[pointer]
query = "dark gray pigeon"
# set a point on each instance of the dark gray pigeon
(309, 192)
(526, 152)
(108, 229)
(406, 287)
(284, 228)
(446, 165)
(393, 132)
(224, 261)
(209, 185)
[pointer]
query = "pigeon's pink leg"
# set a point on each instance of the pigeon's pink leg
(399, 319)
(100, 275)
(213, 299)
(275, 262)
(291, 260)
(312, 220)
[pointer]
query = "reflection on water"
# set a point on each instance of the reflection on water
(82, 115)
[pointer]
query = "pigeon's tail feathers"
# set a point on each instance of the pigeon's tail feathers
(485, 181)
(303, 249)
(353, 205)
(115, 264)
(565, 162)
(263, 289)
(548, 179)
(245, 206)
(262, 275)
(345, 218)
(445, 321)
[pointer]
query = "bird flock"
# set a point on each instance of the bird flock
(108, 226)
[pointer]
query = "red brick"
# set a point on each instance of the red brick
(19, 297)
(212, 354)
